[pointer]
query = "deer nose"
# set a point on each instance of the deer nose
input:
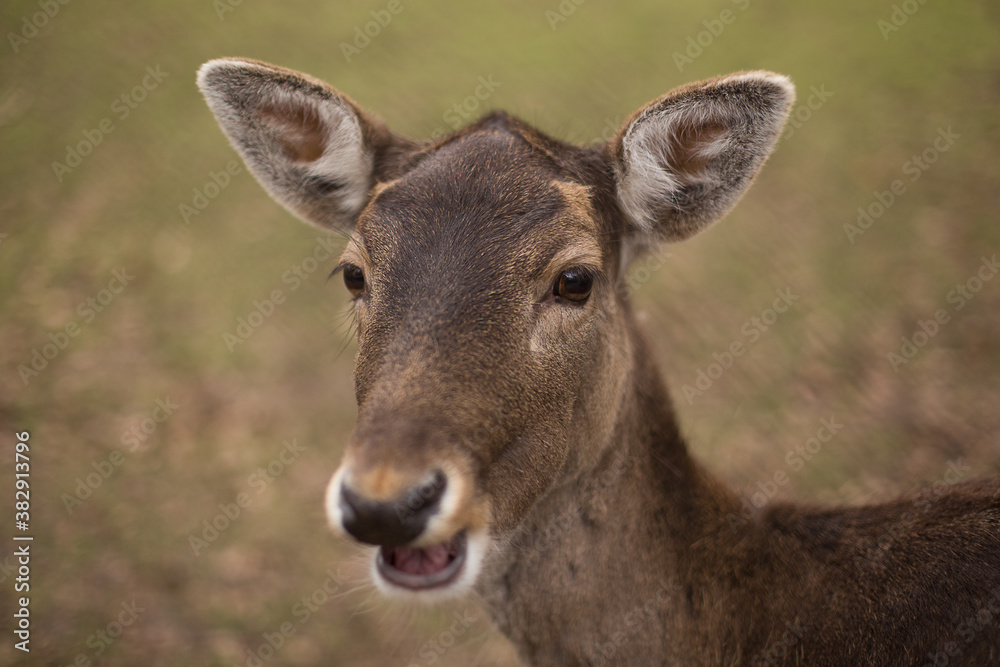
(391, 523)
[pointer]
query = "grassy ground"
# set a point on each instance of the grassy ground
(869, 102)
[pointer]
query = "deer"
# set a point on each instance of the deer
(515, 441)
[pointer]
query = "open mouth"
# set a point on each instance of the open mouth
(421, 568)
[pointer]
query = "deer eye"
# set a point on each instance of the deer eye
(354, 279)
(574, 284)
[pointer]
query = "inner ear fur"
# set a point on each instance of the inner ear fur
(682, 161)
(312, 148)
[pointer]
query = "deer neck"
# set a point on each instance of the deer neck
(611, 541)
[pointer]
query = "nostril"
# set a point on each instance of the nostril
(426, 497)
(391, 523)
(348, 501)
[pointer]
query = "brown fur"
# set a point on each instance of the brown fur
(609, 544)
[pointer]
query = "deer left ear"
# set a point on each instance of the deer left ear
(682, 161)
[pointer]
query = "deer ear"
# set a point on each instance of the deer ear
(682, 161)
(313, 149)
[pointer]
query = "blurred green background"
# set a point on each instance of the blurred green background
(871, 97)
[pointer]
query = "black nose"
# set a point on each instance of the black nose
(391, 523)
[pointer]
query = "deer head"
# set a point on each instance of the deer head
(495, 341)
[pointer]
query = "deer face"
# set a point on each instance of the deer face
(485, 273)
(481, 280)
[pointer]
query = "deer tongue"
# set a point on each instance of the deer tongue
(420, 568)
(427, 560)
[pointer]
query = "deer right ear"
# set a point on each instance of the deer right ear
(682, 161)
(313, 149)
